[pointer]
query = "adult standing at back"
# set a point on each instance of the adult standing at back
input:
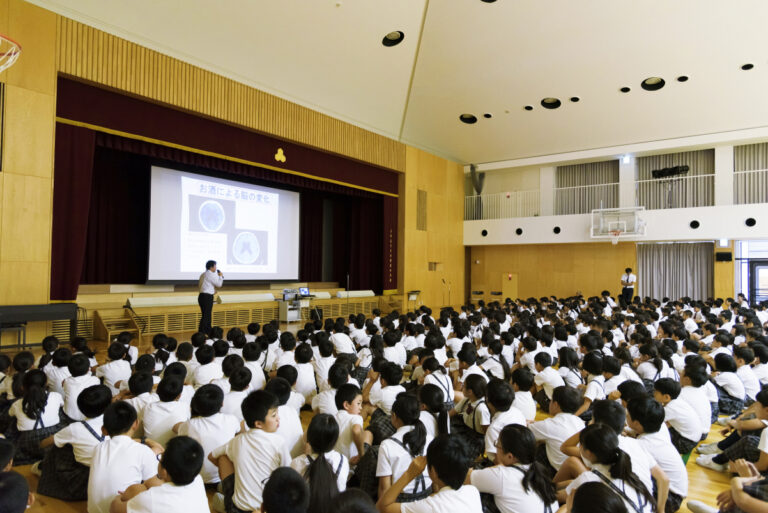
(210, 280)
(628, 281)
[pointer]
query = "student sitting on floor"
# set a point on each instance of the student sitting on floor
(239, 384)
(680, 417)
(471, 417)
(15, 496)
(80, 379)
(64, 471)
(117, 369)
(246, 462)
(729, 387)
(161, 416)
(592, 370)
(546, 379)
(286, 492)
(382, 399)
(500, 397)
(434, 413)
(290, 421)
(325, 401)
(522, 382)
(560, 426)
(692, 380)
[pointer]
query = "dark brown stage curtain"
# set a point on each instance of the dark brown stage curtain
(357, 243)
(73, 164)
(311, 236)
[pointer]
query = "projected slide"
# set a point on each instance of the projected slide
(251, 231)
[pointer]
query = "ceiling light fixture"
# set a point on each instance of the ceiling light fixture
(625, 89)
(488, 1)
(393, 38)
(747, 67)
(652, 83)
(550, 103)
(575, 99)
(682, 78)
(528, 107)
(487, 115)
(625, 159)
(468, 119)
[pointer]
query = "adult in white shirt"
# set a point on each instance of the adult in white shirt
(628, 281)
(210, 280)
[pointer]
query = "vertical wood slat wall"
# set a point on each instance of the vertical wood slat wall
(90, 54)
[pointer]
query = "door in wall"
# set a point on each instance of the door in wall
(758, 280)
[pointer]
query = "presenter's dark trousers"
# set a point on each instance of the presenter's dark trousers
(627, 293)
(206, 308)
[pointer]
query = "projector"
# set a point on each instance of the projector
(668, 172)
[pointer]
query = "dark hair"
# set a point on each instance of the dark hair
(184, 352)
(631, 389)
(145, 363)
(595, 497)
(14, 492)
(61, 357)
(568, 398)
(391, 373)
(230, 363)
(210, 264)
(477, 384)
(256, 406)
(603, 442)
(220, 348)
(433, 398)
(285, 492)
(207, 401)
(176, 369)
(169, 388)
(543, 358)
(520, 442)
(197, 339)
(93, 401)
(34, 396)
(725, 363)
(612, 365)
(240, 379)
(80, 345)
(346, 393)
(322, 434)
(281, 387)
(182, 459)
(289, 373)
(140, 383)
(744, 353)
(450, 457)
(50, 344)
(119, 417)
(7, 450)
(648, 412)
(79, 365)
(353, 500)
(523, 378)
(406, 408)
(251, 352)
(499, 394)
(204, 354)
(652, 353)
(303, 353)
(23, 361)
(668, 386)
(593, 363)
(610, 413)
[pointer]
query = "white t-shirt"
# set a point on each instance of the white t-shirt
(345, 444)
(550, 379)
(473, 369)
(525, 403)
(290, 429)
(322, 366)
(554, 431)
(761, 371)
(571, 377)
(325, 402)
(83, 442)
(750, 381)
(732, 384)
(338, 463)
(499, 421)
(394, 460)
(642, 461)
(233, 402)
(257, 376)
(47, 418)
(342, 343)
(207, 373)
(189, 498)
(112, 372)
(466, 499)
(141, 401)
(475, 413)
(396, 354)
(667, 458)
(630, 278)
(160, 417)
(697, 399)
(72, 388)
(443, 381)
(681, 416)
(588, 477)
(595, 388)
(611, 385)
(384, 398)
(305, 382)
(493, 366)
(56, 375)
(211, 433)
(255, 455)
(506, 485)
(117, 464)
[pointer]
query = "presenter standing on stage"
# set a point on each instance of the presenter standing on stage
(210, 280)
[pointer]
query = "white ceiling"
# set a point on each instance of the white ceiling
(468, 56)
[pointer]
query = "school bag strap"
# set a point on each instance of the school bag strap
(622, 494)
(421, 484)
(547, 507)
(338, 468)
(92, 431)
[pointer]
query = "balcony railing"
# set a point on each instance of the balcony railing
(503, 205)
(583, 199)
(750, 186)
(676, 192)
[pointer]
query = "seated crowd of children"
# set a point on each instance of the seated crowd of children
(409, 413)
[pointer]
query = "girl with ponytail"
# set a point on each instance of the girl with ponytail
(325, 470)
(436, 374)
(37, 417)
(652, 366)
(434, 412)
(398, 451)
(610, 465)
(518, 483)
(496, 365)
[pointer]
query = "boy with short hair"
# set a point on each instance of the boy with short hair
(285, 492)
(160, 416)
(562, 424)
(500, 396)
(247, 461)
(683, 422)
(290, 423)
(325, 401)
(522, 381)
(239, 381)
(546, 379)
(352, 440)
(80, 379)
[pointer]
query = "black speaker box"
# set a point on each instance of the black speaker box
(724, 256)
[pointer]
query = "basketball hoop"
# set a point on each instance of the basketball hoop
(9, 52)
(615, 234)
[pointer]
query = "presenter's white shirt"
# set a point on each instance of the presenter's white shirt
(631, 278)
(209, 282)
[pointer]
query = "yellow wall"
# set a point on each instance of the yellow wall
(442, 242)
(552, 269)
(26, 180)
(724, 274)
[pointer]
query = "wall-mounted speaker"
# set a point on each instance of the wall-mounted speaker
(724, 256)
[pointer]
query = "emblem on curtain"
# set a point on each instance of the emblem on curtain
(280, 156)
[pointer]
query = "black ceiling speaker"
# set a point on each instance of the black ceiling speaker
(669, 172)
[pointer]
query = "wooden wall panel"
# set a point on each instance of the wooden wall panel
(552, 269)
(725, 273)
(90, 54)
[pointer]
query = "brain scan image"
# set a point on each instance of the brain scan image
(211, 215)
(246, 248)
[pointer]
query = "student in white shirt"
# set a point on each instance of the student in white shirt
(140, 389)
(341, 341)
(116, 369)
(744, 356)
(229, 365)
(447, 468)
(246, 462)
(177, 487)
(81, 438)
(398, 451)
(499, 397)
(693, 392)
(290, 422)
(394, 351)
(37, 416)
(209, 370)
(729, 387)
(252, 354)
(352, 440)
(545, 380)
(495, 365)
(522, 382)
(383, 398)
(612, 374)
(515, 458)
(323, 364)
(80, 379)
(58, 371)
(684, 425)
(592, 370)
(325, 401)
(306, 384)
(434, 411)
(161, 416)
(436, 374)
(239, 382)
(120, 462)
(568, 367)
(132, 351)
(561, 425)
(209, 426)
(473, 408)
(645, 416)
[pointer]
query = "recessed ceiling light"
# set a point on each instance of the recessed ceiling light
(488, 1)
(747, 67)
(682, 78)
(528, 107)
(393, 38)
(652, 83)
(550, 103)
(487, 115)
(468, 119)
(575, 99)
(625, 89)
